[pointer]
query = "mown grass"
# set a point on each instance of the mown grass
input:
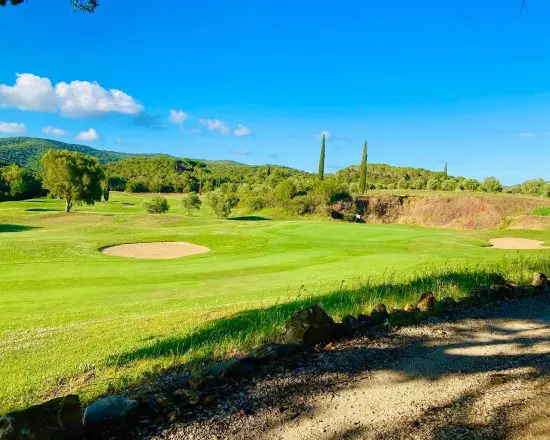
(73, 319)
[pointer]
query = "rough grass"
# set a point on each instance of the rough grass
(73, 319)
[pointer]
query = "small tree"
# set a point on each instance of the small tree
(492, 185)
(157, 205)
(363, 171)
(322, 159)
(72, 176)
(105, 189)
(220, 203)
(190, 202)
(471, 185)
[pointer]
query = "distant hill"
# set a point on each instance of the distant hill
(27, 151)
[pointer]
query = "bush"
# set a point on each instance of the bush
(190, 202)
(471, 185)
(157, 205)
(221, 203)
(492, 185)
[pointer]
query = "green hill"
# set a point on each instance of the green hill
(27, 151)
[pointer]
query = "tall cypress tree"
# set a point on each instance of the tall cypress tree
(445, 175)
(363, 171)
(322, 159)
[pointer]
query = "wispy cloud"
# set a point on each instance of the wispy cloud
(52, 131)
(12, 127)
(178, 117)
(241, 130)
(242, 152)
(527, 135)
(215, 125)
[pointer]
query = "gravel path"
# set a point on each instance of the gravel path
(483, 374)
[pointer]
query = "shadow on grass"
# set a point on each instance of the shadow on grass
(43, 209)
(251, 327)
(250, 218)
(15, 228)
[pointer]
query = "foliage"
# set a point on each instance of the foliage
(72, 176)
(492, 185)
(88, 6)
(191, 202)
(542, 211)
(363, 171)
(157, 205)
(321, 172)
(220, 202)
(18, 183)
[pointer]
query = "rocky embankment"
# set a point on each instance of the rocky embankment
(268, 392)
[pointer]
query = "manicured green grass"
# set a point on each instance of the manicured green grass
(73, 319)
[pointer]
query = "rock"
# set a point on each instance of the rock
(271, 352)
(205, 382)
(57, 419)
(351, 322)
(409, 308)
(401, 317)
(241, 368)
(109, 416)
(342, 331)
(366, 321)
(501, 291)
(379, 314)
(539, 280)
(468, 301)
(309, 327)
(447, 303)
(426, 302)
(159, 404)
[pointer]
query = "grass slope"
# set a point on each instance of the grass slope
(73, 319)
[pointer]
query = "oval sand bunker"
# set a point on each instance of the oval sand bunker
(161, 250)
(517, 243)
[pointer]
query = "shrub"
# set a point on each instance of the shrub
(220, 203)
(492, 185)
(157, 205)
(448, 185)
(136, 186)
(471, 185)
(190, 202)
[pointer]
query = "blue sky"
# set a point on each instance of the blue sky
(467, 82)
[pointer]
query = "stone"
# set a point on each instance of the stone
(241, 368)
(468, 301)
(401, 317)
(271, 352)
(366, 321)
(540, 280)
(426, 302)
(342, 331)
(409, 308)
(501, 291)
(204, 382)
(57, 419)
(109, 416)
(447, 303)
(379, 314)
(310, 326)
(351, 322)
(156, 404)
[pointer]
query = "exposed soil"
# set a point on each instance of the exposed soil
(479, 374)
(516, 243)
(158, 250)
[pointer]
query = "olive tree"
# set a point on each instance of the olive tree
(190, 202)
(220, 203)
(72, 176)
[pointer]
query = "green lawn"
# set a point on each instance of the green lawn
(73, 319)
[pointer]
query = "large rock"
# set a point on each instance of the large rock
(448, 303)
(426, 303)
(241, 368)
(109, 416)
(309, 327)
(271, 352)
(380, 314)
(540, 280)
(57, 419)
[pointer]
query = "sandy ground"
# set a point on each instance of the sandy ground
(483, 374)
(158, 250)
(517, 243)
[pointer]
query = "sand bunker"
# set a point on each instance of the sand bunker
(517, 243)
(161, 250)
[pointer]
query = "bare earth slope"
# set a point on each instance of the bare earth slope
(484, 374)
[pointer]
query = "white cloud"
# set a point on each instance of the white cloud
(54, 131)
(11, 127)
(328, 135)
(241, 130)
(178, 117)
(215, 125)
(74, 99)
(88, 135)
(527, 134)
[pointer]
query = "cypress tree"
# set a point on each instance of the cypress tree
(322, 159)
(363, 171)
(445, 175)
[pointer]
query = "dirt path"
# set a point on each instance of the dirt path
(482, 375)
